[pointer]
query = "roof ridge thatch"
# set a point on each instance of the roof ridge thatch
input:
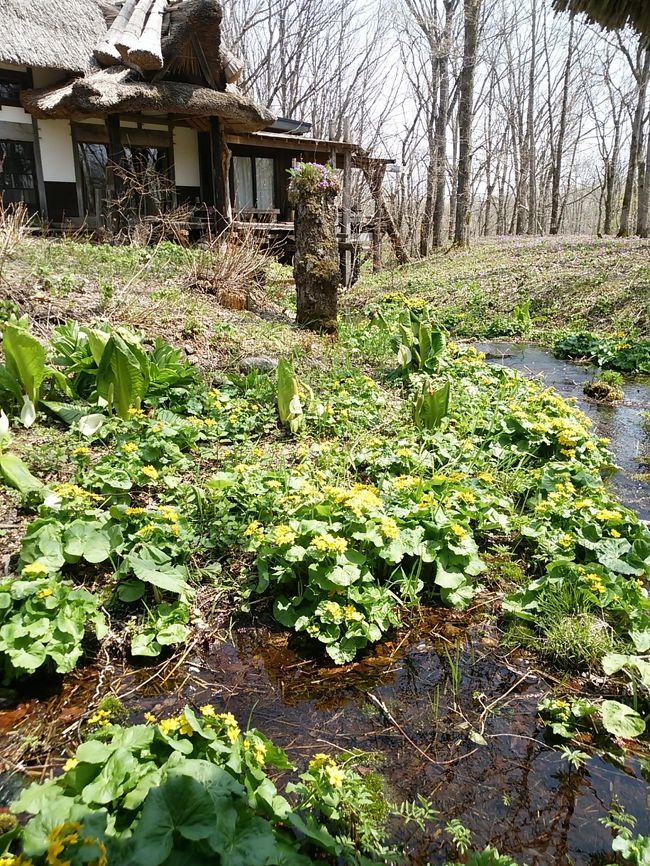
(612, 14)
(110, 91)
(60, 34)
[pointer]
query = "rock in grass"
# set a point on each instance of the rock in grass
(263, 363)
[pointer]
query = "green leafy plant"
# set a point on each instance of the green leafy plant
(431, 404)
(290, 408)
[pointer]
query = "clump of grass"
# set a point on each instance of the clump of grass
(606, 388)
(577, 641)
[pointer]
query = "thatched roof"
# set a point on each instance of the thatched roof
(611, 14)
(50, 33)
(113, 91)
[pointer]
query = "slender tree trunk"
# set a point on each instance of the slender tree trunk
(557, 168)
(441, 126)
(637, 128)
(472, 10)
(644, 195)
(611, 169)
(530, 129)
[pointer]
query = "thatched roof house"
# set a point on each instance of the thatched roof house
(93, 91)
(612, 14)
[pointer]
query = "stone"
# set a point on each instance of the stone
(263, 363)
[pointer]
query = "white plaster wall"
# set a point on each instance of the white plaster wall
(186, 157)
(57, 154)
(14, 114)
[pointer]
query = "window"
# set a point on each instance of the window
(11, 83)
(254, 183)
(18, 173)
(146, 171)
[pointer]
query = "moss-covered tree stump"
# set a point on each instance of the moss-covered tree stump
(316, 267)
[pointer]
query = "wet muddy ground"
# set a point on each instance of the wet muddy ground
(415, 705)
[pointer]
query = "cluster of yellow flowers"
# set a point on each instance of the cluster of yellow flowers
(361, 499)
(284, 534)
(330, 770)
(607, 515)
(101, 718)
(72, 491)
(227, 720)
(129, 448)
(458, 530)
(45, 593)
(257, 748)
(35, 569)
(66, 836)
(176, 725)
(150, 472)
(389, 528)
(339, 613)
(595, 582)
(201, 422)
(10, 860)
(81, 451)
(328, 543)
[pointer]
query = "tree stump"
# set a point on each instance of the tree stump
(316, 266)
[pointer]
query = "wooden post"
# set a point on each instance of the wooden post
(378, 228)
(113, 180)
(40, 183)
(218, 180)
(346, 201)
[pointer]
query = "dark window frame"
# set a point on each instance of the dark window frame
(28, 194)
(21, 80)
(253, 154)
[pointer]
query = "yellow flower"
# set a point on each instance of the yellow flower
(389, 529)
(319, 760)
(351, 614)
(467, 496)
(148, 529)
(583, 503)
(614, 533)
(169, 726)
(335, 775)
(70, 764)
(233, 733)
(136, 413)
(565, 540)
(101, 718)
(150, 471)
(72, 491)
(334, 610)
(185, 728)
(458, 530)
(329, 543)
(273, 484)
(170, 514)
(129, 448)
(131, 511)
(486, 476)
(157, 428)
(607, 514)
(207, 710)
(35, 569)
(79, 452)
(150, 719)
(284, 535)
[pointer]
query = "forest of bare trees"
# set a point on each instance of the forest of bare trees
(503, 117)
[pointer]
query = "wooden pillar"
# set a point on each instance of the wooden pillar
(113, 181)
(220, 193)
(378, 226)
(346, 201)
(38, 163)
